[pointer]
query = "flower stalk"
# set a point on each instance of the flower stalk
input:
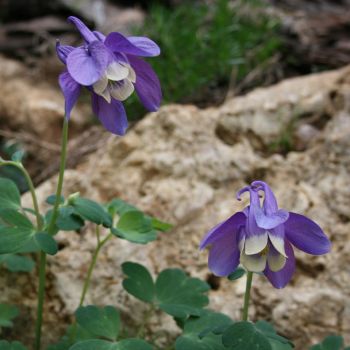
(51, 231)
(247, 296)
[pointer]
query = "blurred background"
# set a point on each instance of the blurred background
(240, 45)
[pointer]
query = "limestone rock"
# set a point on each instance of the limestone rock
(178, 165)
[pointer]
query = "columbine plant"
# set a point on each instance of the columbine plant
(261, 237)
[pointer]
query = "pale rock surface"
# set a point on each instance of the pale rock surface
(184, 165)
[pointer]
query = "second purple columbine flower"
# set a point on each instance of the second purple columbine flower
(261, 238)
(110, 68)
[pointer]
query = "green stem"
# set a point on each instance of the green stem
(51, 231)
(87, 281)
(64, 142)
(247, 296)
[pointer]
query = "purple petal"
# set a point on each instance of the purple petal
(306, 235)
(87, 66)
(63, 51)
(228, 227)
(85, 32)
(71, 91)
(280, 278)
(270, 202)
(112, 115)
(270, 221)
(147, 84)
(137, 46)
(224, 256)
(99, 35)
(252, 227)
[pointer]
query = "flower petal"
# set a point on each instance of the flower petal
(270, 202)
(85, 32)
(280, 278)
(71, 91)
(63, 51)
(121, 90)
(112, 115)
(272, 220)
(224, 256)
(116, 71)
(228, 227)
(86, 66)
(137, 46)
(99, 35)
(275, 260)
(147, 84)
(254, 263)
(255, 243)
(306, 235)
(276, 236)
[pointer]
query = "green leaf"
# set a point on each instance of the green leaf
(17, 263)
(7, 314)
(46, 243)
(245, 336)
(14, 218)
(92, 211)
(139, 282)
(101, 322)
(120, 207)
(276, 341)
(52, 199)
(161, 225)
(13, 239)
(9, 194)
(179, 295)
(126, 344)
(190, 339)
(18, 156)
(235, 275)
(15, 345)
(332, 342)
(67, 220)
(135, 227)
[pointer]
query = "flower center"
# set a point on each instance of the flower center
(117, 82)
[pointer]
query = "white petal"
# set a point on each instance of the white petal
(278, 244)
(276, 262)
(255, 244)
(123, 90)
(101, 85)
(132, 75)
(117, 71)
(241, 244)
(254, 263)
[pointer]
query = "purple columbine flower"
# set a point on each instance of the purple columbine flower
(261, 238)
(111, 70)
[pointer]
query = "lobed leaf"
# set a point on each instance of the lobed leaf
(92, 211)
(10, 196)
(135, 227)
(17, 263)
(245, 336)
(15, 345)
(139, 282)
(7, 314)
(195, 326)
(101, 322)
(332, 342)
(46, 243)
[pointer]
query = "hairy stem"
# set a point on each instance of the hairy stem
(51, 231)
(247, 296)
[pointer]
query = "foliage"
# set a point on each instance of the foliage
(332, 342)
(221, 37)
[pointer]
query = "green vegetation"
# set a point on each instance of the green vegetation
(201, 45)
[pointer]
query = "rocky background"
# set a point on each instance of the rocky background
(184, 165)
